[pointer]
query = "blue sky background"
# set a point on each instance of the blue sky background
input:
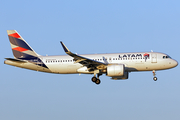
(96, 26)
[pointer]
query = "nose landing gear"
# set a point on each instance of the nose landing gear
(154, 74)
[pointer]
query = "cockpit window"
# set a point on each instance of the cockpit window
(165, 57)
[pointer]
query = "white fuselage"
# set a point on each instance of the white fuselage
(65, 64)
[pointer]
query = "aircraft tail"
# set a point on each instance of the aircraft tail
(20, 48)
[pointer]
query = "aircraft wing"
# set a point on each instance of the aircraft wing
(89, 63)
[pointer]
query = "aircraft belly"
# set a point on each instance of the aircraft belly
(139, 66)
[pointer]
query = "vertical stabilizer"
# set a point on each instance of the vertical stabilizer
(20, 47)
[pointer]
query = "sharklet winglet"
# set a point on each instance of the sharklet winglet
(64, 47)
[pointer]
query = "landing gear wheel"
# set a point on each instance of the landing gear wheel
(98, 81)
(94, 79)
(155, 78)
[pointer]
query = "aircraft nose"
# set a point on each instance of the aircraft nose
(174, 63)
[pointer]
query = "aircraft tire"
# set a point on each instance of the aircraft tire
(98, 81)
(94, 79)
(155, 78)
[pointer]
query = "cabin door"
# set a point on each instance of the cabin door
(153, 58)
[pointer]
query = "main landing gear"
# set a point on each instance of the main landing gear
(96, 79)
(154, 74)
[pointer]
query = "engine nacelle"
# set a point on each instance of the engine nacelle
(125, 76)
(115, 70)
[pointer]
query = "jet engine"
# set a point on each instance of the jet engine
(117, 72)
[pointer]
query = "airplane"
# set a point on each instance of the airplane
(115, 65)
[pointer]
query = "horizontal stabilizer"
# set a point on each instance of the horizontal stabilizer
(16, 60)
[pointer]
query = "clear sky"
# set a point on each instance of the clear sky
(95, 26)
